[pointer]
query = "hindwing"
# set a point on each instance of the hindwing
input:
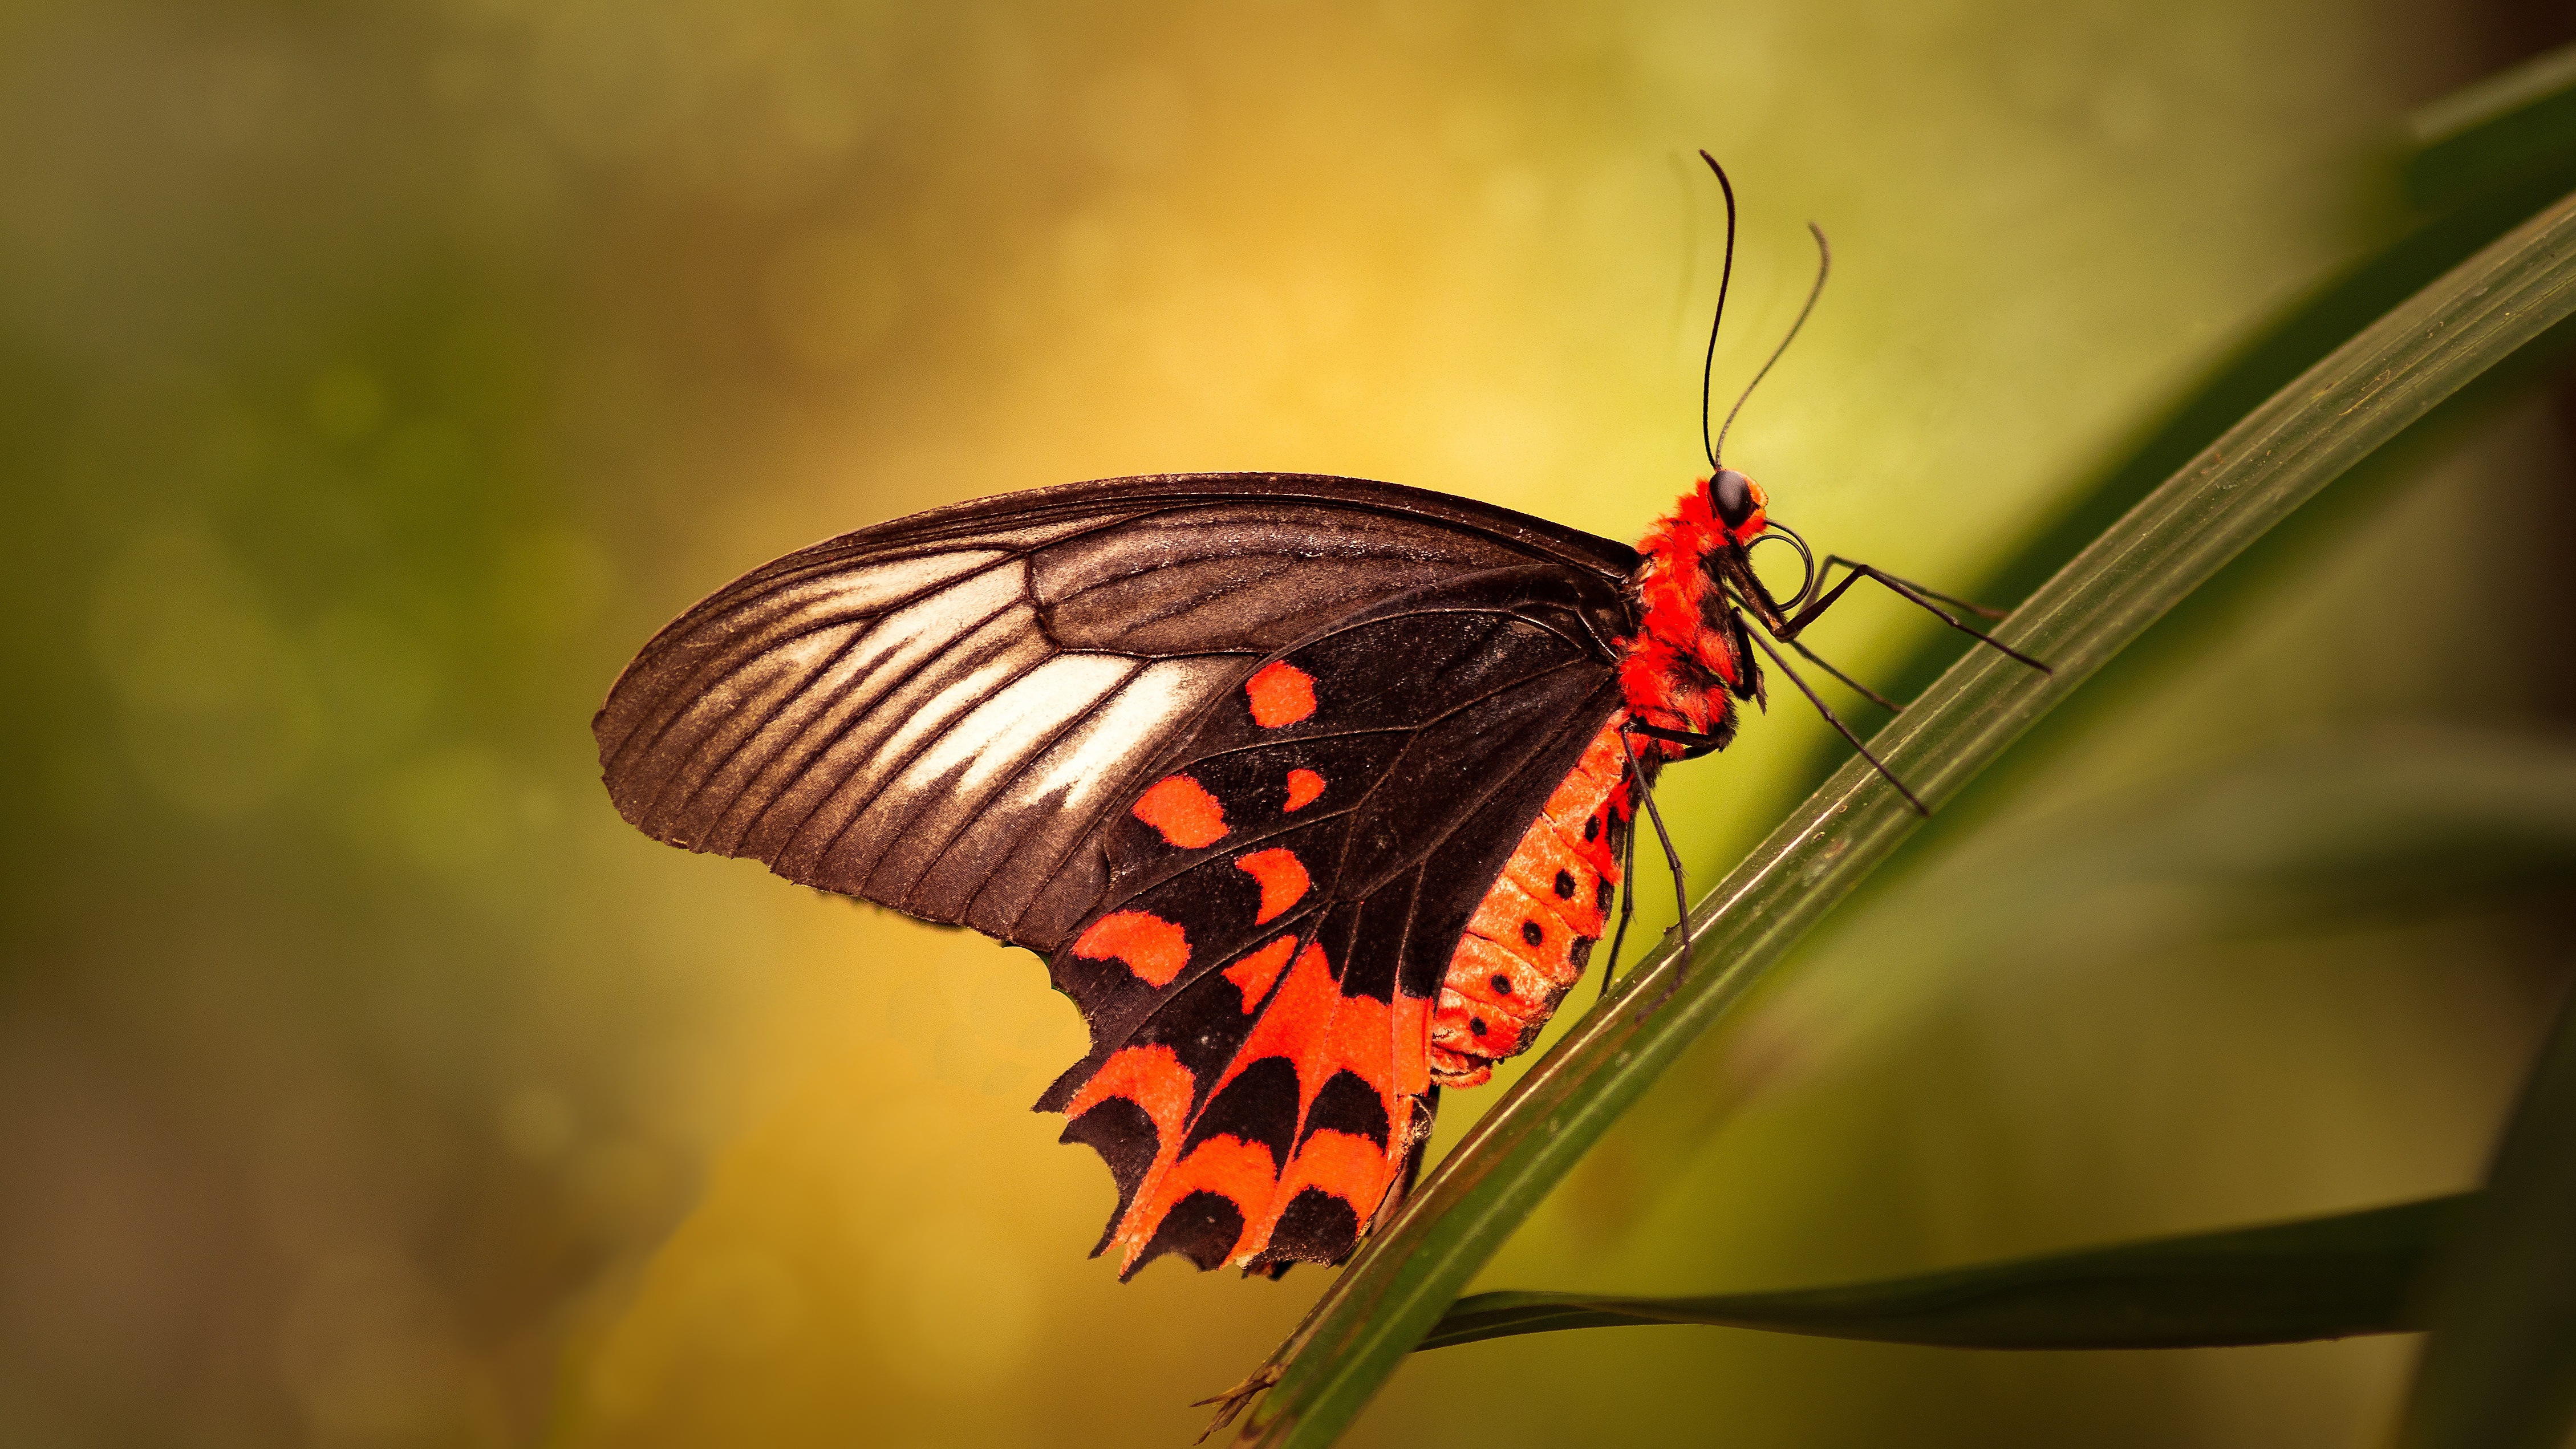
(1260, 974)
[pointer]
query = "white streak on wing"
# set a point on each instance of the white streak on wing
(866, 590)
(887, 651)
(1011, 862)
(933, 715)
(900, 644)
(1003, 730)
(788, 663)
(1098, 755)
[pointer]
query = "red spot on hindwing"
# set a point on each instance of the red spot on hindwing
(1304, 787)
(1183, 810)
(1154, 949)
(1152, 1077)
(1350, 1167)
(1254, 974)
(1283, 880)
(1240, 1171)
(1281, 694)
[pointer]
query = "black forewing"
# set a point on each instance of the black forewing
(947, 713)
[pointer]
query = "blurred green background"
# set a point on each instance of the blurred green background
(374, 380)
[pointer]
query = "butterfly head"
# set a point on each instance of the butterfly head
(1738, 505)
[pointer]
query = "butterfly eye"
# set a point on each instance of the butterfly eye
(1731, 494)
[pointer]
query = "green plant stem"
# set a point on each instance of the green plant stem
(2300, 440)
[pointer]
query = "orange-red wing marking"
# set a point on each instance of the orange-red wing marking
(1255, 974)
(1153, 948)
(1303, 1005)
(1303, 788)
(1151, 1077)
(1182, 809)
(1281, 694)
(1283, 879)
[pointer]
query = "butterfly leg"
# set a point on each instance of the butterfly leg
(1980, 610)
(1787, 630)
(1673, 858)
(1627, 904)
(1872, 695)
(1840, 728)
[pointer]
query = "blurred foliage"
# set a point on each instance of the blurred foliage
(2499, 1371)
(374, 379)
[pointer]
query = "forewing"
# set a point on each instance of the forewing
(945, 713)
(1282, 902)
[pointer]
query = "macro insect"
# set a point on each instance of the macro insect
(1315, 793)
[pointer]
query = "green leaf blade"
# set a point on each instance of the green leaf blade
(2511, 124)
(2328, 1277)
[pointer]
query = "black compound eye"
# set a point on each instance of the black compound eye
(1731, 494)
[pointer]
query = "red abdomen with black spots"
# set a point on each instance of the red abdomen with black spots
(1534, 931)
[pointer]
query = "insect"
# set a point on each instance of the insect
(1314, 792)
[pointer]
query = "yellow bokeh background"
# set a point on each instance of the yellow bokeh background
(376, 379)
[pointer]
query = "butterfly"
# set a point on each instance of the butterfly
(1314, 792)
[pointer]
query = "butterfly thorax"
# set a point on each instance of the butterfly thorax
(1688, 665)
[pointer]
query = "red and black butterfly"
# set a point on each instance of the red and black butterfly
(1314, 792)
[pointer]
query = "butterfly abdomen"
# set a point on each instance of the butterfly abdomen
(1534, 931)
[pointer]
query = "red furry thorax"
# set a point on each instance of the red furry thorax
(1675, 673)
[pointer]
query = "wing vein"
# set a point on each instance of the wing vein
(894, 771)
(788, 698)
(737, 605)
(842, 731)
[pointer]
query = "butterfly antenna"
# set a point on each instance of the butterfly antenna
(1708, 364)
(1824, 265)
